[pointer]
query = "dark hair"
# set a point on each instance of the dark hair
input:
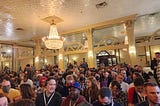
(138, 82)
(157, 53)
(116, 83)
(25, 102)
(50, 78)
(27, 65)
(1, 95)
(105, 92)
(137, 75)
(6, 77)
(26, 91)
(94, 87)
(152, 84)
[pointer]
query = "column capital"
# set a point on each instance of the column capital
(129, 24)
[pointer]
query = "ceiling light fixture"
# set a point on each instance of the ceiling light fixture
(53, 41)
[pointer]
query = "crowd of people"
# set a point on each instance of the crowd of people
(78, 85)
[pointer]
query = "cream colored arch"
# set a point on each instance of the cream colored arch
(155, 36)
(74, 47)
(114, 41)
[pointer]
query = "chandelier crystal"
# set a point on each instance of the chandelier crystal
(53, 41)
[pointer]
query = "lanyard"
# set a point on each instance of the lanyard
(46, 104)
(70, 102)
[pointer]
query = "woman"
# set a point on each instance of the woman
(134, 76)
(25, 102)
(90, 92)
(27, 96)
(117, 93)
(27, 92)
(106, 79)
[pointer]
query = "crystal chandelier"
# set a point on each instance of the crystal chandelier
(53, 41)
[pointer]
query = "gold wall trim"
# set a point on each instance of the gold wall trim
(102, 24)
(22, 58)
(70, 47)
(101, 42)
(111, 47)
(76, 52)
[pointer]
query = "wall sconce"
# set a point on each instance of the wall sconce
(9, 51)
(45, 60)
(60, 56)
(7, 64)
(147, 53)
(74, 58)
(117, 54)
(37, 59)
(132, 50)
(124, 49)
(90, 54)
(126, 40)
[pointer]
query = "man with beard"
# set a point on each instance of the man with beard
(105, 98)
(74, 98)
(153, 95)
(50, 97)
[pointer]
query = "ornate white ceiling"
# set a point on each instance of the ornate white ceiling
(22, 19)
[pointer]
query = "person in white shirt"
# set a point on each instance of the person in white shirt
(124, 85)
(26, 80)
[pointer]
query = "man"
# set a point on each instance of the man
(29, 71)
(105, 98)
(154, 64)
(153, 95)
(9, 92)
(3, 100)
(136, 94)
(74, 98)
(124, 85)
(50, 97)
(143, 73)
(128, 78)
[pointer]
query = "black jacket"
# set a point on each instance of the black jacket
(142, 104)
(55, 101)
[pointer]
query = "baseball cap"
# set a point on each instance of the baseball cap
(76, 85)
(42, 79)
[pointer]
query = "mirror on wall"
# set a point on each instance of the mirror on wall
(6, 53)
